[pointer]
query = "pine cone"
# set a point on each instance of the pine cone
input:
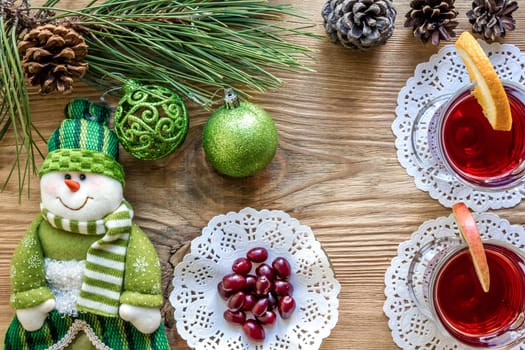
(359, 24)
(492, 18)
(432, 20)
(17, 13)
(52, 56)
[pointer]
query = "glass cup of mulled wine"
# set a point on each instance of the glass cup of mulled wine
(443, 283)
(463, 143)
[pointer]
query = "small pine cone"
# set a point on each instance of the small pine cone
(359, 24)
(52, 57)
(432, 20)
(492, 18)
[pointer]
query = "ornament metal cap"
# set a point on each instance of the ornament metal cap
(130, 86)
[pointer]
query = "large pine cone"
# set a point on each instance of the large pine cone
(492, 18)
(52, 57)
(432, 20)
(359, 24)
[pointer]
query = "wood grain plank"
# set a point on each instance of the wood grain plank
(335, 170)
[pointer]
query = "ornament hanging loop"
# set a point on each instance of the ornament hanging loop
(107, 92)
(231, 100)
(209, 102)
(113, 77)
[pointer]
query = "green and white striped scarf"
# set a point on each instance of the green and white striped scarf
(105, 261)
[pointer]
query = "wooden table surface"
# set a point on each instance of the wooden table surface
(335, 170)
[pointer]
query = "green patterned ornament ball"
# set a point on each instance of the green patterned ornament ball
(151, 121)
(240, 138)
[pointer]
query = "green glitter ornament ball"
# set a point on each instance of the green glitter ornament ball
(240, 138)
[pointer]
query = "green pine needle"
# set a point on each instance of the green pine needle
(14, 106)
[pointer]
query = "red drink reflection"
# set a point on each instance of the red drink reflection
(478, 153)
(466, 311)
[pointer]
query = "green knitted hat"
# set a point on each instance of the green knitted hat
(84, 143)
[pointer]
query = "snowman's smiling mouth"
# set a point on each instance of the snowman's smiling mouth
(78, 208)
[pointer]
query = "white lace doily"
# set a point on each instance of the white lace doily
(199, 309)
(411, 329)
(443, 74)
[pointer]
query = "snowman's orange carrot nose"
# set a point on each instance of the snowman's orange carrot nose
(72, 184)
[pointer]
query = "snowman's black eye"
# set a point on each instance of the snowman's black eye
(67, 176)
(82, 176)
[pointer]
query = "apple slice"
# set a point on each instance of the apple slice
(470, 233)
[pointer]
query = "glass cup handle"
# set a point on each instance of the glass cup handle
(421, 129)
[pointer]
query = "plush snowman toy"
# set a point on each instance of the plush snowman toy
(85, 276)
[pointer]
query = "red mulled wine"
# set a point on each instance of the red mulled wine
(468, 313)
(479, 154)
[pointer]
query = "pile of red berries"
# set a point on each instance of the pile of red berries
(258, 295)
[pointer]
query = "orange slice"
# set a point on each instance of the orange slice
(470, 233)
(489, 90)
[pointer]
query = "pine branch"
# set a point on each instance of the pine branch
(194, 47)
(200, 46)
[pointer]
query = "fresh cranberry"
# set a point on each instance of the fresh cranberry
(249, 301)
(269, 317)
(272, 300)
(262, 286)
(282, 288)
(237, 317)
(236, 301)
(233, 282)
(265, 270)
(260, 307)
(242, 266)
(249, 285)
(222, 292)
(286, 306)
(253, 330)
(282, 267)
(257, 255)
